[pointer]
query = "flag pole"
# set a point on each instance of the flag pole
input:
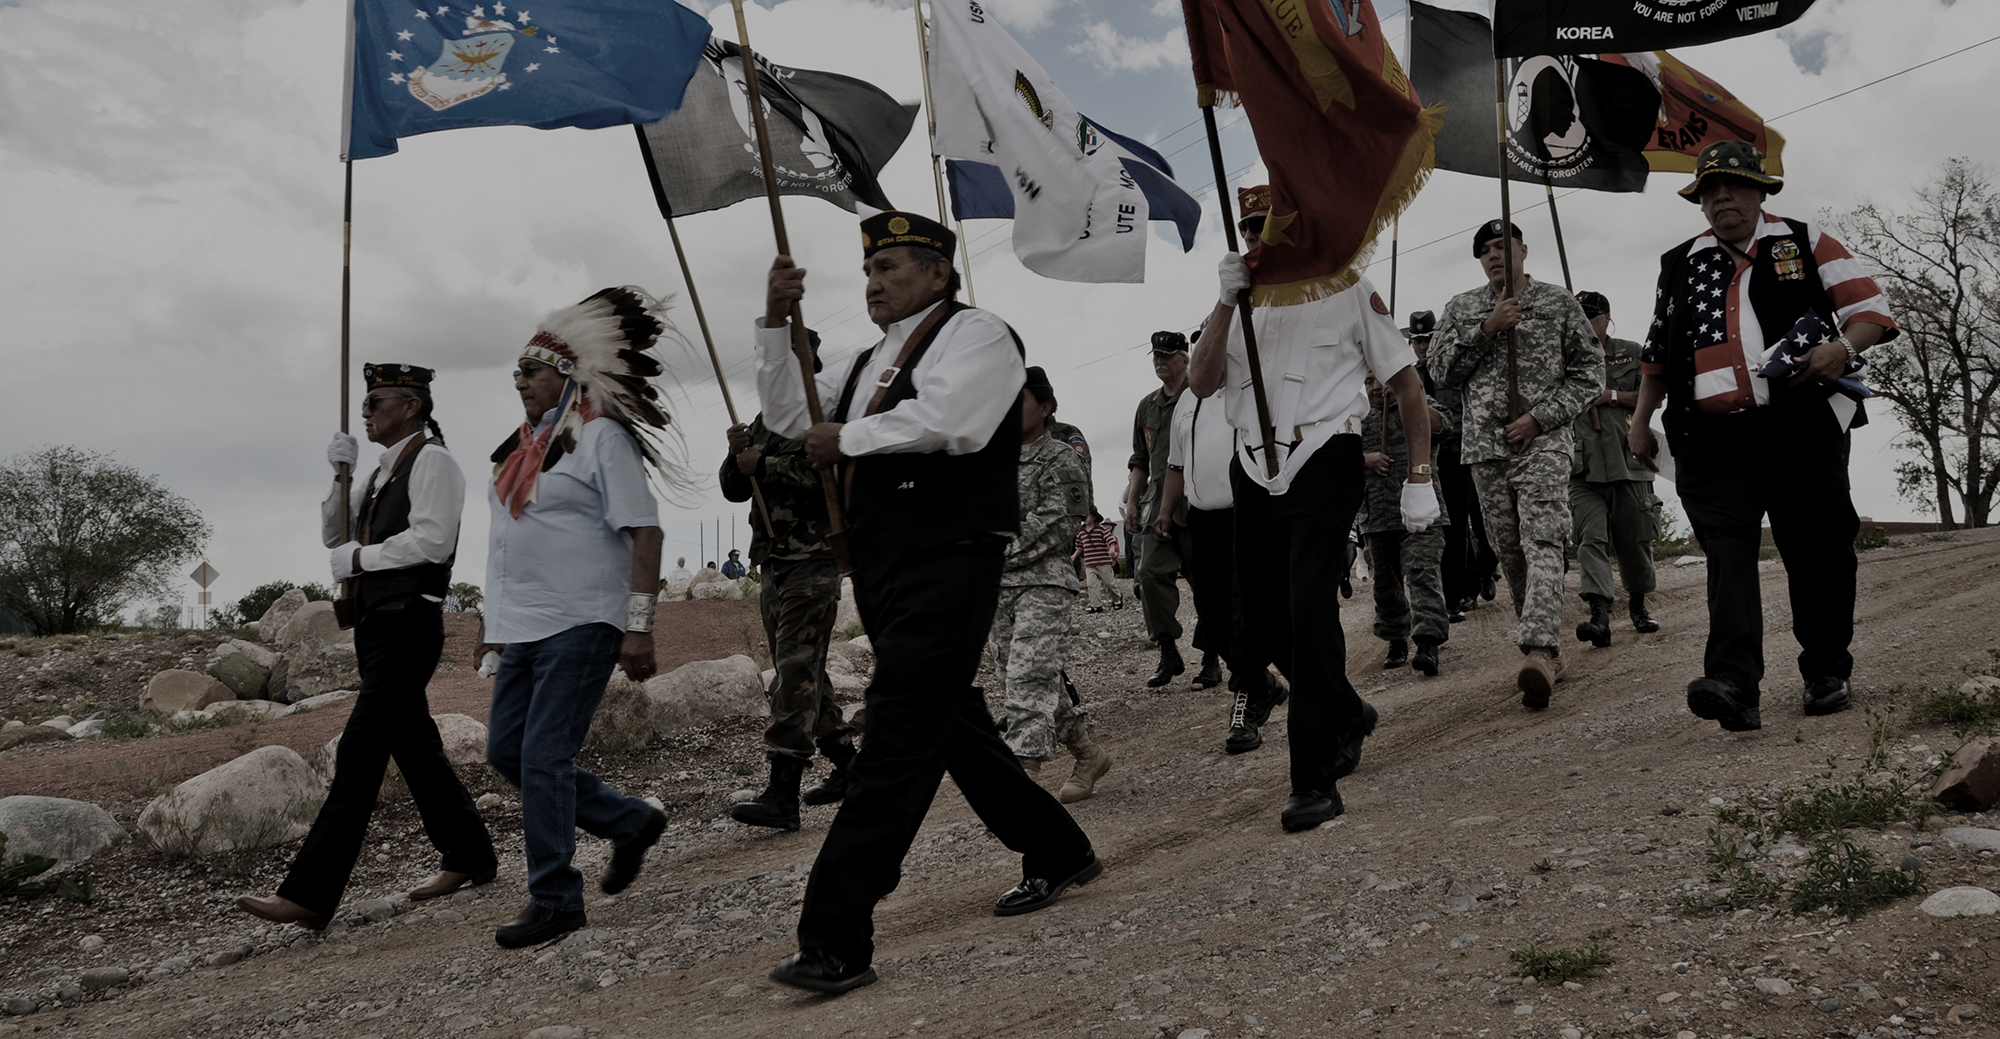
(344, 473)
(1506, 232)
(937, 168)
(1243, 301)
(836, 516)
(1561, 249)
(1395, 233)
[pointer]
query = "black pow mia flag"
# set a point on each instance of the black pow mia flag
(1571, 122)
(1529, 27)
(830, 136)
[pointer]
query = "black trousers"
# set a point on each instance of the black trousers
(1291, 609)
(1465, 563)
(397, 646)
(1212, 582)
(1730, 479)
(927, 616)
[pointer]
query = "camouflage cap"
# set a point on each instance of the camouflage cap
(1731, 159)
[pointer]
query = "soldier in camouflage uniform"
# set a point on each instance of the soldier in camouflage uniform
(1408, 568)
(799, 596)
(1520, 465)
(1037, 588)
(1610, 493)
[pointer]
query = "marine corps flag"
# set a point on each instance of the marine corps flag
(1525, 28)
(1695, 111)
(1347, 142)
(1571, 122)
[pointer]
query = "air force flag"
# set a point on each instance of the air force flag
(421, 65)
(1079, 214)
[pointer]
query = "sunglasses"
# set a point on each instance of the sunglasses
(373, 401)
(1250, 226)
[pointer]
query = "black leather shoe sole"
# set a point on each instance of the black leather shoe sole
(1832, 702)
(1598, 635)
(1351, 760)
(625, 861)
(1645, 625)
(797, 972)
(536, 925)
(1425, 661)
(1305, 811)
(1714, 701)
(829, 792)
(758, 813)
(1035, 894)
(1243, 740)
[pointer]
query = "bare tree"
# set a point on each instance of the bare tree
(81, 535)
(1939, 264)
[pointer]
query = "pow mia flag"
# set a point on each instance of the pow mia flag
(1571, 122)
(1525, 28)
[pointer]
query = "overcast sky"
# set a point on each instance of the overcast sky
(172, 248)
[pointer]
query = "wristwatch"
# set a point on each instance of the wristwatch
(1421, 470)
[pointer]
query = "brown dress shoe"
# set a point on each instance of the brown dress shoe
(447, 882)
(282, 911)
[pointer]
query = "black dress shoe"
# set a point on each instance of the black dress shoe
(625, 861)
(1034, 893)
(1720, 702)
(1399, 655)
(1348, 757)
(1828, 696)
(1457, 614)
(1489, 588)
(1307, 809)
(538, 924)
(821, 971)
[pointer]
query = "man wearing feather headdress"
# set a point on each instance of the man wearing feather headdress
(572, 568)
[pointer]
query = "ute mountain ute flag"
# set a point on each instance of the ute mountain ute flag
(1695, 112)
(420, 67)
(830, 136)
(979, 190)
(1525, 28)
(1571, 122)
(1079, 214)
(1347, 143)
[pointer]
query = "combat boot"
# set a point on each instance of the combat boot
(1537, 678)
(1642, 621)
(1171, 665)
(1274, 694)
(1244, 736)
(1091, 764)
(778, 806)
(834, 787)
(1426, 660)
(1210, 675)
(1399, 655)
(1596, 630)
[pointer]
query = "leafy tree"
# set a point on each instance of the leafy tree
(254, 605)
(317, 592)
(82, 535)
(1939, 264)
(464, 597)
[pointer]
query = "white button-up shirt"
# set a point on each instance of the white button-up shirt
(437, 500)
(567, 561)
(1199, 448)
(1316, 358)
(968, 380)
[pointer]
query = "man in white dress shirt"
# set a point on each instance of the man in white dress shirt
(405, 520)
(1316, 358)
(925, 429)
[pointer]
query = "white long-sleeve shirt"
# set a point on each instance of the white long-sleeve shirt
(968, 380)
(437, 499)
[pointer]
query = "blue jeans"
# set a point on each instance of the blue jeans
(543, 700)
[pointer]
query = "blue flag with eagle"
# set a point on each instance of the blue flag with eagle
(418, 66)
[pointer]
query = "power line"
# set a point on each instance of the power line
(1884, 79)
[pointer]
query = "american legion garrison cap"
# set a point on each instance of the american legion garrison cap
(399, 376)
(1594, 304)
(885, 229)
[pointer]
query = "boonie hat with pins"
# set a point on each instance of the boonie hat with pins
(1731, 159)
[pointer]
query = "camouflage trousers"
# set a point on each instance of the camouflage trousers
(800, 598)
(1030, 637)
(1409, 585)
(1525, 501)
(1619, 518)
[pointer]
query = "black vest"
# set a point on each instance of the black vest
(906, 501)
(391, 516)
(1776, 305)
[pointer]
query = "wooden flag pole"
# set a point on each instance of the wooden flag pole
(1243, 301)
(1562, 250)
(715, 359)
(937, 167)
(344, 473)
(836, 516)
(1395, 233)
(1506, 233)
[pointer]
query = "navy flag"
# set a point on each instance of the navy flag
(1526, 28)
(417, 66)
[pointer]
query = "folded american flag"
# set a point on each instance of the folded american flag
(1788, 357)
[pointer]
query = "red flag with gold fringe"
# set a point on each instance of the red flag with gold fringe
(1346, 140)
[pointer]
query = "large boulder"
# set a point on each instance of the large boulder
(624, 719)
(57, 828)
(171, 691)
(20, 735)
(707, 691)
(675, 591)
(245, 667)
(234, 711)
(332, 666)
(723, 589)
(274, 619)
(265, 797)
(464, 739)
(706, 576)
(1973, 784)
(312, 628)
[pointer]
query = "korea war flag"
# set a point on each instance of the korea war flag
(1078, 214)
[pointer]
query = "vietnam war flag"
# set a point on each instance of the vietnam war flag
(1695, 111)
(1347, 142)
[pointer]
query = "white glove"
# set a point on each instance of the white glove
(343, 561)
(489, 665)
(1235, 277)
(343, 450)
(1420, 506)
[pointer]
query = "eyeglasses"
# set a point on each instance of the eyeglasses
(373, 401)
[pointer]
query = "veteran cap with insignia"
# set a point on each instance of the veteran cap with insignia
(1737, 159)
(888, 228)
(1038, 384)
(1492, 229)
(1595, 304)
(397, 376)
(1169, 343)
(1423, 324)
